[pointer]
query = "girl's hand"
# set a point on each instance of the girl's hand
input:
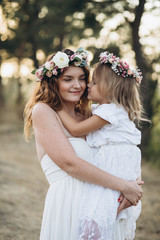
(133, 191)
(124, 203)
(139, 181)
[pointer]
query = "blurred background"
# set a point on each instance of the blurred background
(30, 30)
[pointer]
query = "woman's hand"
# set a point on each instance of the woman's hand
(133, 191)
(124, 203)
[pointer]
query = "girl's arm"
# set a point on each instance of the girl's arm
(124, 203)
(50, 135)
(81, 128)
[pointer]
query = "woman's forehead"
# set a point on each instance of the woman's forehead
(73, 70)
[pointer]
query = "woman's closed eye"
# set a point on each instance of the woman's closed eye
(67, 79)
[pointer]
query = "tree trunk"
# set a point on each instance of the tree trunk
(34, 46)
(137, 47)
(148, 87)
(20, 54)
(19, 85)
(1, 86)
(61, 41)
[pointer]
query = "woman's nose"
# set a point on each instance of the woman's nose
(77, 84)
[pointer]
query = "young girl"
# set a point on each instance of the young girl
(114, 138)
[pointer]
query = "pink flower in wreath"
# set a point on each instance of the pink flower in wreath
(129, 72)
(126, 66)
(54, 72)
(111, 60)
(39, 74)
(139, 79)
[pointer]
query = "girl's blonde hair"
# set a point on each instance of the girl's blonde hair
(47, 91)
(120, 90)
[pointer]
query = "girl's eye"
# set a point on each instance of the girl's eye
(93, 82)
(82, 79)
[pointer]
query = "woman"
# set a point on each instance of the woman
(65, 162)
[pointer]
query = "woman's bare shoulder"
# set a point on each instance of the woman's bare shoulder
(40, 109)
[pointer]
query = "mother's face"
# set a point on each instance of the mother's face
(72, 84)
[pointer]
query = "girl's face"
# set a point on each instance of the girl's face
(72, 84)
(93, 92)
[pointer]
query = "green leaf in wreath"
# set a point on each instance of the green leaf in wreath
(77, 59)
(33, 72)
(44, 71)
(80, 50)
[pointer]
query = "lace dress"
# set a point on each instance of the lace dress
(114, 150)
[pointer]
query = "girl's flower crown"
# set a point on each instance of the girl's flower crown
(120, 67)
(60, 62)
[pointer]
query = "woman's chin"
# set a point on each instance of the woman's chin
(73, 99)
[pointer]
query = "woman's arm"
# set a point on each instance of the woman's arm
(50, 135)
(81, 128)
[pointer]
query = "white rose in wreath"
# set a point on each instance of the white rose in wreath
(49, 65)
(103, 55)
(61, 60)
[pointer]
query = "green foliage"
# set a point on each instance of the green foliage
(46, 25)
(152, 153)
(51, 25)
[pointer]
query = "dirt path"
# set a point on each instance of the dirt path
(23, 188)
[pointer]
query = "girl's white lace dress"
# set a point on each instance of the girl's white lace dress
(115, 151)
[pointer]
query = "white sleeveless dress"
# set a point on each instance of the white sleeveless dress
(60, 217)
(61, 211)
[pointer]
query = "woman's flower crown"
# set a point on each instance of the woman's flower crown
(120, 67)
(60, 62)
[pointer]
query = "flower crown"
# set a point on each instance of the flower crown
(120, 67)
(60, 62)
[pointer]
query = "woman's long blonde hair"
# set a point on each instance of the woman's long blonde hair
(47, 91)
(120, 90)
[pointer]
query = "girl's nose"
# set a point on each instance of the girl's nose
(89, 84)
